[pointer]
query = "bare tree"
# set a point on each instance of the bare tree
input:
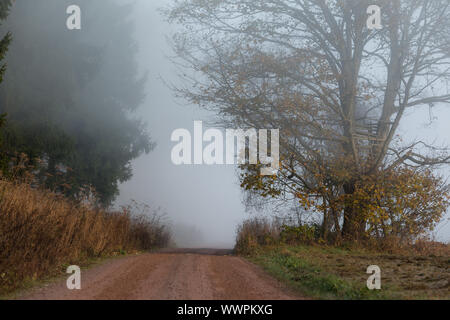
(336, 89)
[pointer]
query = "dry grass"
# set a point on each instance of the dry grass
(255, 232)
(415, 271)
(40, 232)
(403, 276)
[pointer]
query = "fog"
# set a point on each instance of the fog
(203, 203)
(208, 197)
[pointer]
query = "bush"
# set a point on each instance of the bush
(255, 232)
(41, 231)
(298, 234)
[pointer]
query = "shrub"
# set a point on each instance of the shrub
(41, 231)
(298, 234)
(255, 232)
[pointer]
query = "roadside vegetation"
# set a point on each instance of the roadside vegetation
(41, 233)
(294, 255)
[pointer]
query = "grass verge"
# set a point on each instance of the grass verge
(322, 272)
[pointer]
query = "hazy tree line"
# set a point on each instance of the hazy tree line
(338, 92)
(4, 43)
(68, 97)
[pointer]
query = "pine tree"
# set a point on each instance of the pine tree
(6, 40)
(71, 97)
(4, 43)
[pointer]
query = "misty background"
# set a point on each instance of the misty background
(203, 203)
(209, 197)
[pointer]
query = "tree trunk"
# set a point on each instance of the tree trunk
(325, 225)
(354, 225)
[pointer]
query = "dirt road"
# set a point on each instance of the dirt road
(201, 274)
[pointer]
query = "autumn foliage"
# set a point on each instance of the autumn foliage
(405, 203)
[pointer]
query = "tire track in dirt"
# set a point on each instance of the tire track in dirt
(248, 281)
(186, 275)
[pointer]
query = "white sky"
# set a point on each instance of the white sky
(207, 197)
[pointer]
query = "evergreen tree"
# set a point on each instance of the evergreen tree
(4, 43)
(71, 95)
(6, 40)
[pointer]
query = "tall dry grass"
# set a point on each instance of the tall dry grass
(255, 232)
(40, 232)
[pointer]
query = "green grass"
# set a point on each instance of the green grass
(336, 273)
